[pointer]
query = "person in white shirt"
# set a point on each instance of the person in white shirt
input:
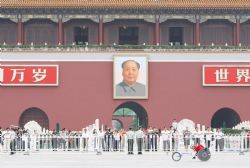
(219, 137)
(34, 135)
(186, 138)
(13, 141)
(117, 139)
(26, 139)
(139, 139)
(100, 145)
(208, 137)
(197, 136)
(150, 133)
(85, 139)
(94, 138)
(130, 138)
(165, 134)
(6, 139)
(175, 139)
(64, 136)
(156, 135)
(123, 139)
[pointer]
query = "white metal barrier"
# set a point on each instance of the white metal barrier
(26, 143)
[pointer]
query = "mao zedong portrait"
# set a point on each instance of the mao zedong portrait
(129, 87)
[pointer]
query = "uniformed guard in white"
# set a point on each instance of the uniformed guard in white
(117, 140)
(150, 132)
(139, 140)
(130, 137)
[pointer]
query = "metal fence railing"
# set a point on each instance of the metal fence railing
(228, 143)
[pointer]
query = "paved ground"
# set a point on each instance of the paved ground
(119, 160)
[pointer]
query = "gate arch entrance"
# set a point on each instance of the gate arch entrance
(131, 114)
(35, 114)
(225, 118)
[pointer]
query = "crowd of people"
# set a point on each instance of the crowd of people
(149, 140)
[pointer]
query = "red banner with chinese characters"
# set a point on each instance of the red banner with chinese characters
(29, 75)
(226, 75)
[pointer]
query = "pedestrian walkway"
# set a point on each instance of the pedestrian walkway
(122, 160)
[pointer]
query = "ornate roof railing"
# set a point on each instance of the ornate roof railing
(114, 47)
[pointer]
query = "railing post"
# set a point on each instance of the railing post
(241, 144)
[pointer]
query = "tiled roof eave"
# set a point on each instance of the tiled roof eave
(114, 4)
(125, 7)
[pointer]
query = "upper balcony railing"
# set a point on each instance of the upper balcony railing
(114, 47)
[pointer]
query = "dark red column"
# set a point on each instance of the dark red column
(100, 34)
(60, 31)
(197, 31)
(20, 31)
(157, 31)
(237, 38)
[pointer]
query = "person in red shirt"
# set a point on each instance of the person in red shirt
(197, 149)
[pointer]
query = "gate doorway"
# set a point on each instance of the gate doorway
(225, 118)
(35, 114)
(130, 114)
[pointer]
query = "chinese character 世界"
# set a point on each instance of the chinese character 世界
(243, 73)
(221, 75)
(18, 72)
(39, 75)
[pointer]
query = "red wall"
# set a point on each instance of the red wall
(85, 93)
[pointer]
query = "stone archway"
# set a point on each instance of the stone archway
(225, 118)
(133, 110)
(35, 114)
